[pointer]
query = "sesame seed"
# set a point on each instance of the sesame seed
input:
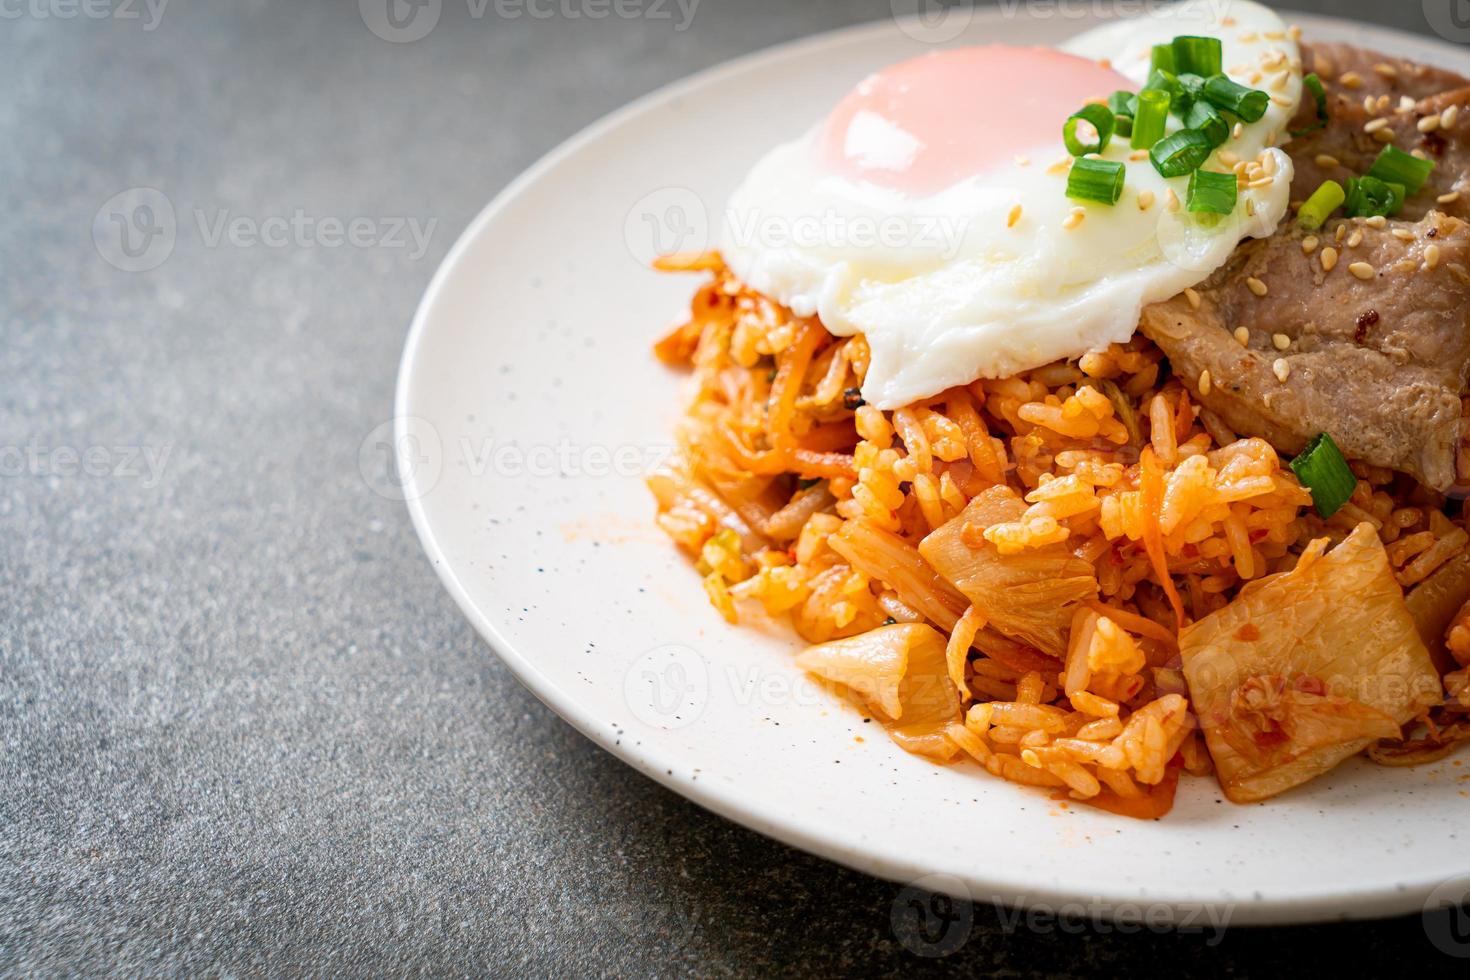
(1368, 103)
(1278, 83)
(1274, 35)
(1061, 166)
(1262, 182)
(1449, 198)
(1351, 79)
(1374, 221)
(1403, 234)
(1447, 117)
(1023, 161)
(1382, 104)
(1145, 200)
(1406, 266)
(1250, 207)
(1374, 125)
(1237, 130)
(1386, 70)
(1014, 216)
(1249, 37)
(1074, 218)
(1327, 160)
(1355, 239)
(1256, 286)
(1419, 153)
(1406, 104)
(1281, 369)
(1204, 382)
(1227, 21)
(1340, 233)
(1384, 135)
(1309, 244)
(1281, 341)
(1282, 101)
(1362, 270)
(1323, 65)
(1431, 256)
(1428, 124)
(1294, 32)
(1228, 158)
(1328, 258)
(1171, 201)
(1242, 336)
(1192, 295)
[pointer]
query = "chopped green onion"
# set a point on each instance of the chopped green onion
(1163, 58)
(1193, 88)
(1177, 155)
(1091, 179)
(1150, 119)
(1394, 166)
(1100, 118)
(1122, 105)
(1247, 103)
(1313, 84)
(1317, 208)
(1208, 120)
(1211, 192)
(1369, 196)
(1169, 82)
(1197, 55)
(1322, 470)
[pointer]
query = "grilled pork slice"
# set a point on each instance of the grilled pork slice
(1372, 348)
(1372, 100)
(1307, 668)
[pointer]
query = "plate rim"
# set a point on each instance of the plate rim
(1013, 889)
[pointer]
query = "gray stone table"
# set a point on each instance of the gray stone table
(242, 728)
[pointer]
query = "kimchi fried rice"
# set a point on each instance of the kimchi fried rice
(1015, 571)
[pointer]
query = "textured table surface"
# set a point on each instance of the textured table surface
(243, 726)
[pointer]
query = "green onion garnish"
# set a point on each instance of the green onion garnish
(1151, 117)
(1210, 192)
(1168, 82)
(1197, 55)
(1163, 58)
(1193, 88)
(1091, 179)
(1368, 197)
(1247, 103)
(1322, 470)
(1122, 105)
(1313, 84)
(1177, 155)
(1099, 117)
(1208, 120)
(1317, 208)
(1394, 166)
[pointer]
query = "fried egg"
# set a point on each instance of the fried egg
(928, 210)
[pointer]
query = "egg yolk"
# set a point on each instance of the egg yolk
(926, 124)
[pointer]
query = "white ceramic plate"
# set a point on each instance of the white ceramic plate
(529, 406)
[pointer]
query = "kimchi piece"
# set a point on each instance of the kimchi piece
(899, 673)
(1030, 595)
(1306, 668)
